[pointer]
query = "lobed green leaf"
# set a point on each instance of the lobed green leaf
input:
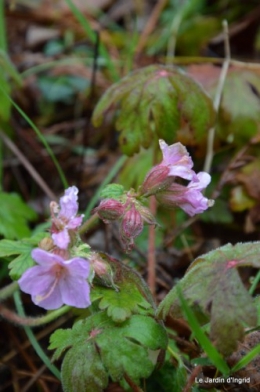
(155, 101)
(122, 303)
(112, 191)
(23, 249)
(213, 289)
(14, 216)
(100, 348)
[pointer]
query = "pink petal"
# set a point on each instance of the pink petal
(44, 258)
(68, 203)
(36, 280)
(61, 239)
(194, 203)
(78, 267)
(182, 171)
(52, 301)
(177, 158)
(203, 181)
(74, 291)
(175, 153)
(75, 222)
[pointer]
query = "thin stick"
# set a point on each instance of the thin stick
(150, 25)
(32, 321)
(22, 158)
(222, 78)
(184, 60)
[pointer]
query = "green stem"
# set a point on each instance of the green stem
(7, 291)
(3, 40)
(88, 223)
(9, 68)
(255, 283)
(151, 259)
(175, 355)
(33, 340)
(32, 321)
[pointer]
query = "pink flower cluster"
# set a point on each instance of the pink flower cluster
(160, 181)
(58, 279)
(131, 216)
(65, 218)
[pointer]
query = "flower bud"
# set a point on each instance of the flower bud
(147, 215)
(46, 244)
(131, 226)
(167, 198)
(156, 180)
(100, 266)
(109, 209)
(102, 269)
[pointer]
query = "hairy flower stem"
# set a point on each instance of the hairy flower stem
(7, 291)
(89, 223)
(151, 280)
(32, 321)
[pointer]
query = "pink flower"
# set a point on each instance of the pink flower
(56, 281)
(157, 179)
(189, 198)
(177, 159)
(176, 162)
(65, 218)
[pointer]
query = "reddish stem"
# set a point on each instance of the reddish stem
(130, 382)
(151, 280)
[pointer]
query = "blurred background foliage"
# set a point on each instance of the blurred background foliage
(57, 60)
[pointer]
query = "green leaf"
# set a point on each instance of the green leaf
(14, 215)
(195, 32)
(222, 298)
(23, 249)
(112, 191)
(135, 169)
(100, 348)
(122, 303)
(156, 100)
(167, 379)
(240, 111)
(129, 283)
(82, 370)
(254, 353)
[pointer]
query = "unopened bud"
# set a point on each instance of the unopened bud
(110, 209)
(167, 198)
(46, 244)
(102, 269)
(132, 223)
(147, 215)
(156, 180)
